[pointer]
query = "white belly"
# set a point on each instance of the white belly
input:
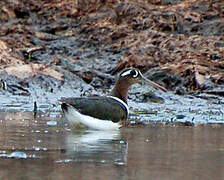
(75, 118)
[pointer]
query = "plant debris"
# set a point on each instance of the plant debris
(183, 38)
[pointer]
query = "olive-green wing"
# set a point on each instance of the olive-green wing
(104, 108)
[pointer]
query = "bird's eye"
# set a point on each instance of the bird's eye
(131, 72)
(134, 73)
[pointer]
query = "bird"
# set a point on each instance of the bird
(105, 112)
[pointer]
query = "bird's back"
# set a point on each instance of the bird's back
(105, 108)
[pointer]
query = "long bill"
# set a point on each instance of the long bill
(153, 84)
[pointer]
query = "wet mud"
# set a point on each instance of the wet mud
(55, 49)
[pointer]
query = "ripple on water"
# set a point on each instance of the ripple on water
(16, 154)
(52, 123)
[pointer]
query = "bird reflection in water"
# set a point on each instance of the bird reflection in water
(97, 146)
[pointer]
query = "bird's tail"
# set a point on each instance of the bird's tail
(71, 114)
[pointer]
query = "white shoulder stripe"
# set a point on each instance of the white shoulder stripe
(121, 102)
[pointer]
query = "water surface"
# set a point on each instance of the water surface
(46, 148)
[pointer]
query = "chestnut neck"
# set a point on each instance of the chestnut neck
(120, 90)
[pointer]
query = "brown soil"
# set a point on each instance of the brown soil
(179, 42)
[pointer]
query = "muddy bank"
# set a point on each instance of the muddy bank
(50, 49)
(183, 39)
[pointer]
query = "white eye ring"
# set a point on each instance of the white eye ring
(130, 72)
(126, 73)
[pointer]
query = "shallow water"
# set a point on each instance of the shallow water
(47, 148)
